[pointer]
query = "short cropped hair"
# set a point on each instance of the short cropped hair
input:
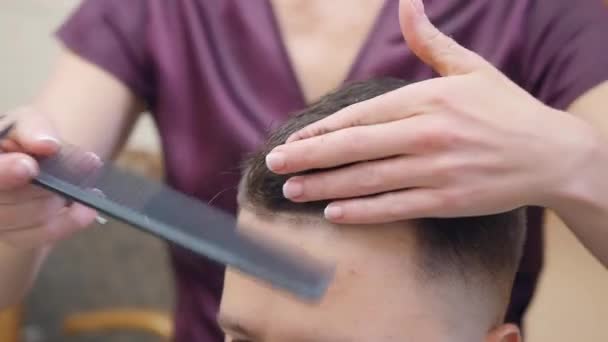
(470, 247)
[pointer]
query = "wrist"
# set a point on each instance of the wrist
(581, 180)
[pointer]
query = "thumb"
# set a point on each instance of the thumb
(34, 132)
(433, 47)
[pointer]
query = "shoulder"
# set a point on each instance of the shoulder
(96, 8)
(562, 42)
(114, 13)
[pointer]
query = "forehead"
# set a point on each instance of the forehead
(374, 290)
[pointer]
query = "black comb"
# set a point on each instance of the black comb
(180, 219)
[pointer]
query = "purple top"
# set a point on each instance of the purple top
(216, 75)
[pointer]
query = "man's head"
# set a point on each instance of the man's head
(419, 280)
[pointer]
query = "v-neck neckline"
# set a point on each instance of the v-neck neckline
(279, 38)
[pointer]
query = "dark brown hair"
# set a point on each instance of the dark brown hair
(488, 246)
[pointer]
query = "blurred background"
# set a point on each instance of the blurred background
(114, 267)
(108, 267)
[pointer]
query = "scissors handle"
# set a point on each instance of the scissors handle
(7, 130)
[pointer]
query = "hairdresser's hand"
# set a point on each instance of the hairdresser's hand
(468, 143)
(29, 216)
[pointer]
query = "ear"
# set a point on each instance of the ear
(505, 333)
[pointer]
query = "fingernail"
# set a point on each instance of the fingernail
(275, 161)
(27, 168)
(101, 220)
(293, 189)
(333, 212)
(49, 140)
(418, 6)
(92, 160)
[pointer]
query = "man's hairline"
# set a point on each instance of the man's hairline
(469, 281)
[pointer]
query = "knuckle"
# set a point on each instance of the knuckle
(310, 186)
(309, 132)
(448, 103)
(435, 136)
(439, 171)
(432, 35)
(351, 116)
(397, 209)
(426, 139)
(451, 200)
(441, 99)
(448, 132)
(442, 200)
(446, 49)
(371, 178)
(356, 140)
(449, 168)
(443, 46)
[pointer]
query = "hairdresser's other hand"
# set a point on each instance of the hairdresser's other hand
(29, 216)
(468, 143)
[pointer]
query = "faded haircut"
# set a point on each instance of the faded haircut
(481, 248)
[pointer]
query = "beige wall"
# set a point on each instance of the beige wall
(27, 47)
(572, 304)
(27, 54)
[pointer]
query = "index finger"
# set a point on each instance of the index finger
(29, 131)
(347, 146)
(394, 105)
